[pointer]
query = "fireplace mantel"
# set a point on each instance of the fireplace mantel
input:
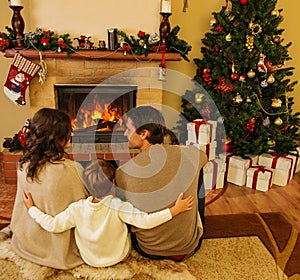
(93, 54)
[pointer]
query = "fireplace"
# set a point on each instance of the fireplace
(96, 110)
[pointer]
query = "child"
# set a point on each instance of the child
(100, 220)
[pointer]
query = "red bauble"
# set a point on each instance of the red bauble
(234, 76)
(243, 2)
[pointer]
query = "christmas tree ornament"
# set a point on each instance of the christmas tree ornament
(249, 42)
(242, 78)
(251, 74)
(276, 103)
(271, 143)
(255, 28)
(206, 76)
(234, 76)
(278, 121)
(224, 87)
(263, 84)
(237, 99)
(261, 64)
(20, 75)
(199, 97)
(275, 13)
(266, 122)
(249, 100)
(271, 79)
(251, 125)
(228, 37)
(228, 8)
(212, 21)
(243, 2)
(277, 39)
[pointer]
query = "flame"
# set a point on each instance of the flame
(93, 113)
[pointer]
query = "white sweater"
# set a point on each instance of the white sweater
(100, 230)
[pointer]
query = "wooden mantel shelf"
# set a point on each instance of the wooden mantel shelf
(93, 54)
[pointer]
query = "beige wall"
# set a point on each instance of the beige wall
(94, 17)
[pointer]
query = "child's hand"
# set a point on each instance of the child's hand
(27, 198)
(182, 205)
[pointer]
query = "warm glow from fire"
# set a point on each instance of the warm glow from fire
(95, 114)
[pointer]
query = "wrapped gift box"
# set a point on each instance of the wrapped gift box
(259, 178)
(297, 164)
(213, 174)
(236, 168)
(201, 132)
(283, 165)
(209, 149)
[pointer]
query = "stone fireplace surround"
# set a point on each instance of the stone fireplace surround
(90, 67)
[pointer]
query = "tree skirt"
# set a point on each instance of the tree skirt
(244, 246)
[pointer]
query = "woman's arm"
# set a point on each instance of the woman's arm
(60, 223)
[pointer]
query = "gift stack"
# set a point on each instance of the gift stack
(260, 172)
(202, 134)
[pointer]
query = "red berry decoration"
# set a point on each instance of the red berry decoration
(243, 2)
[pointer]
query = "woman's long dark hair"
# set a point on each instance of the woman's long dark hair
(49, 131)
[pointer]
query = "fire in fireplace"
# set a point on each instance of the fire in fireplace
(96, 110)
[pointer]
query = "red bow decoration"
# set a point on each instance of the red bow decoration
(45, 41)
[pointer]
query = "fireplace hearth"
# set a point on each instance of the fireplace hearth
(96, 110)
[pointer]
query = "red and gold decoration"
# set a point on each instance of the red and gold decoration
(251, 125)
(224, 87)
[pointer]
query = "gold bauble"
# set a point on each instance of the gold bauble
(278, 121)
(198, 97)
(271, 79)
(275, 13)
(228, 37)
(251, 74)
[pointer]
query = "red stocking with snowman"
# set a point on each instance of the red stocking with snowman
(20, 74)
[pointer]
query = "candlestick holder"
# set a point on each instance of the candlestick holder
(164, 30)
(18, 26)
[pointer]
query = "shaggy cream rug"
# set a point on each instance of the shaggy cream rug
(243, 257)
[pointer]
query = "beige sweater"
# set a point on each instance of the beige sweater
(61, 184)
(152, 181)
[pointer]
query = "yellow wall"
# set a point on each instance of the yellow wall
(94, 17)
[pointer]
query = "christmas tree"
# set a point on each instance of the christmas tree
(243, 70)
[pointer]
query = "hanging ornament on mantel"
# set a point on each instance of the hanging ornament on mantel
(278, 121)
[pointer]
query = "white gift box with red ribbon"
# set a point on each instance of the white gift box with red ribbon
(259, 178)
(201, 131)
(283, 164)
(209, 149)
(214, 174)
(236, 168)
(297, 164)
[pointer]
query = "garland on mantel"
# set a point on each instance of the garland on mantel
(145, 43)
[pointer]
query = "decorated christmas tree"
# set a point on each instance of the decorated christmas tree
(243, 70)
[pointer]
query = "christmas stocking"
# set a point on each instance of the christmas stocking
(20, 74)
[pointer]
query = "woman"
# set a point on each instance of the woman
(54, 182)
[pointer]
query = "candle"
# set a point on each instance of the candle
(15, 3)
(166, 6)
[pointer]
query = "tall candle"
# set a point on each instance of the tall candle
(16, 3)
(166, 6)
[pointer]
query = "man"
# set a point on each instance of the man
(152, 181)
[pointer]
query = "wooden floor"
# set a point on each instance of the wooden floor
(230, 200)
(234, 199)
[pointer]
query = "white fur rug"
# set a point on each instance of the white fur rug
(134, 266)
